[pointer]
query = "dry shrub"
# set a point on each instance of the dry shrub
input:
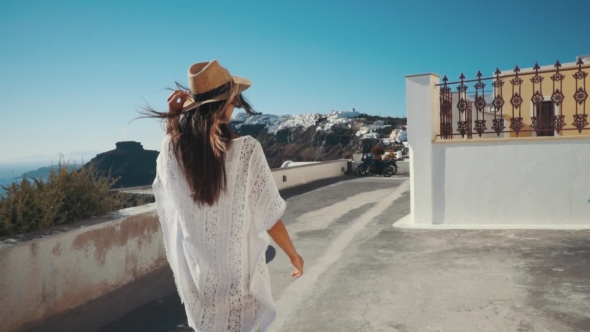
(64, 197)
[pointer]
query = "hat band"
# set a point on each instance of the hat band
(213, 93)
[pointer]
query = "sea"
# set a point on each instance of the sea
(10, 173)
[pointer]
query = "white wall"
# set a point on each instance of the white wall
(421, 94)
(542, 181)
(403, 167)
(520, 181)
(50, 274)
(299, 175)
(289, 163)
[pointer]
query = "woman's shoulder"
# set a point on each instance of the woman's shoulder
(166, 143)
(248, 146)
(238, 137)
(166, 140)
(246, 140)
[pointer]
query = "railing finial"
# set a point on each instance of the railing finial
(462, 77)
(497, 72)
(516, 69)
(557, 64)
(536, 67)
(580, 61)
(479, 75)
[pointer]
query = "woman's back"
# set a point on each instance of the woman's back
(218, 204)
(217, 252)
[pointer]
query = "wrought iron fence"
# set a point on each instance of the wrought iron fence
(507, 103)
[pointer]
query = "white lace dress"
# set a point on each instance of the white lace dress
(217, 253)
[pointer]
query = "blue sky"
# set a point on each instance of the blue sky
(73, 73)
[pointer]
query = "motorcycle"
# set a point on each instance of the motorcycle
(385, 168)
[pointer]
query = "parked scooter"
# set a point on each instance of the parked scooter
(371, 166)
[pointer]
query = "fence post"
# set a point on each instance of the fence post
(423, 108)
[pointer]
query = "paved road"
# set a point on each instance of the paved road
(364, 275)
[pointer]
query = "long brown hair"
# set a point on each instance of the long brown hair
(200, 139)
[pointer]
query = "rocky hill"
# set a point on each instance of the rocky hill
(129, 161)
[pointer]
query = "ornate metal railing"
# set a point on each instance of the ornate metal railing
(508, 101)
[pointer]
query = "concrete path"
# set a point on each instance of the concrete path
(364, 275)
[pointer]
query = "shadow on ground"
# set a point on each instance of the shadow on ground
(303, 189)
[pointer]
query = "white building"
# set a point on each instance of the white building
(395, 134)
(346, 114)
(371, 135)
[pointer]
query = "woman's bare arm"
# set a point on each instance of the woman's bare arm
(281, 237)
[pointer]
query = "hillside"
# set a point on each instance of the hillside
(312, 137)
(307, 137)
(129, 161)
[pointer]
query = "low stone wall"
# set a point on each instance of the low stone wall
(403, 167)
(295, 176)
(48, 273)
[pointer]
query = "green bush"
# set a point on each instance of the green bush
(64, 197)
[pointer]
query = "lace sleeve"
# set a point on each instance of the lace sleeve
(171, 231)
(264, 200)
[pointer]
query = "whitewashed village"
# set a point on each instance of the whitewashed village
(393, 138)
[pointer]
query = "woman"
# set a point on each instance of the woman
(378, 157)
(217, 203)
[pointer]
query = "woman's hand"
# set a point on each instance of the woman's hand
(297, 262)
(280, 235)
(176, 101)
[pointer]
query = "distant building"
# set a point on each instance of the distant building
(371, 135)
(403, 137)
(345, 114)
(395, 135)
(239, 117)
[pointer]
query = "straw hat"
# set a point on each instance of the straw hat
(209, 82)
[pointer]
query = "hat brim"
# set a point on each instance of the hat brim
(241, 85)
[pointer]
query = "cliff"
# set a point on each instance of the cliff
(129, 161)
